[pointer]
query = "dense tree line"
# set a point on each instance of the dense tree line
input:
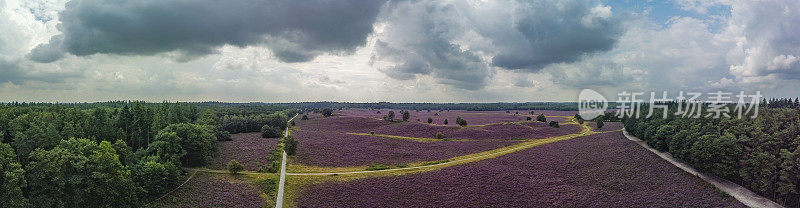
(113, 154)
(761, 153)
(255, 123)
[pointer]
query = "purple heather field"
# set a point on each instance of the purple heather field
(214, 190)
(249, 149)
(323, 145)
(527, 130)
(472, 117)
(601, 170)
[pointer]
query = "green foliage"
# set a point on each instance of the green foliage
(80, 173)
(377, 166)
(600, 123)
(439, 135)
(198, 141)
(528, 118)
(460, 121)
(541, 118)
(305, 117)
(389, 116)
(327, 112)
(12, 179)
(430, 120)
(235, 167)
(155, 175)
(553, 124)
(406, 115)
(445, 121)
(270, 132)
(290, 145)
(717, 155)
(273, 163)
(253, 123)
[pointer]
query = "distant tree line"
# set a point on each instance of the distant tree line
(762, 153)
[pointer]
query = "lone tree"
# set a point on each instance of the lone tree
(554, 124)
(600, 122)
(390, 116)
(528, 118)
(439, 135)
(430, 120)
(305, 117)
(541, 118)
(460, 121)
(235, 167)
(531, 113)
(406, 115)
(445, 121)
(327, 112)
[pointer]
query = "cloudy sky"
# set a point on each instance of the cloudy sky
(397, 51)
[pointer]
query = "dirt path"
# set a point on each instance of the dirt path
(742, 194)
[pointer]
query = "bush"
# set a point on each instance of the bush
(290, 145)
(389, 117)
(273, 164)
(532, 113)
(554, 124)
(528, 118)
(293, 123)
(406, 115)
(541, 118)
(460, 121)
(235, 167)
(445, 121)
(270, 132)
(372, 132)
(305, 117)
(327, 112)
(377, 166)
(600, 123)
(430, 120)
(439, 135)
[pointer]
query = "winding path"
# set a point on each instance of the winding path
(742, 194)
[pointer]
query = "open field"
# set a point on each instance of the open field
(472, 117)
(354, 139)
(222, 190)
(249, 149)
(600, 170)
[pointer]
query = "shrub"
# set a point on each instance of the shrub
(541, 118)
(528, 118)
(235, 167)
(445, 121)
(293, 123)
(439, 135)
(377, 166)
(327, 112)
(460, 121)
(389, 117)
(553, 124)
(273, 164)
(531, 113)
(270, 132)
(430, 120)
(406, 115)
(600, 123)
(290, 145)
(508, 111)
(305, 117)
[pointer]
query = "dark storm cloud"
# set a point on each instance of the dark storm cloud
(458, 42)
(555, 32)
(295, 31)
(18, 72)
(419, 39)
